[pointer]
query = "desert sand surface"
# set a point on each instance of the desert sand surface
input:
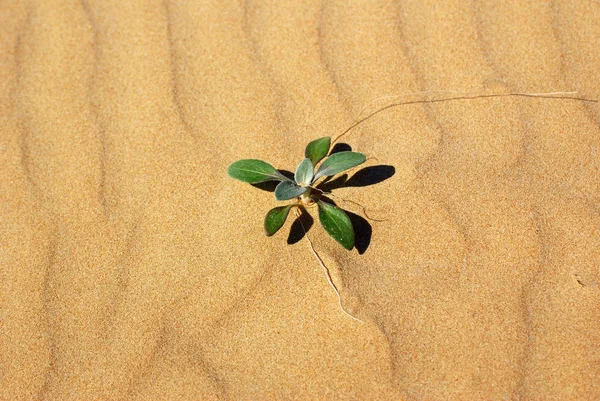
(133, 268)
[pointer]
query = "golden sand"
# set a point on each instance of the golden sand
(133, 268)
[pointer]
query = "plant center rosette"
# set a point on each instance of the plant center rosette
(303, 188)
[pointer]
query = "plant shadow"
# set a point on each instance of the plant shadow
(362, 232)
(300, 226)
(364, 177)
(340, 147)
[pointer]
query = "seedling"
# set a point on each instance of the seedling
(302, 189)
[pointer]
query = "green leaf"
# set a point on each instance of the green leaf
(338, 162)
(287, 190)
(337, 224)
(317, 149)
(304, 172)
(275, 218)
(254, 171)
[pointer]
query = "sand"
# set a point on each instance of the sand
(133, 268)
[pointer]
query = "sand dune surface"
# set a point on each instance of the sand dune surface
(133, 268)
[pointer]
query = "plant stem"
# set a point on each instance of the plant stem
(305, 197)
(324, 266)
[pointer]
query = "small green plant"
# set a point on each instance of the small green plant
(303, 188)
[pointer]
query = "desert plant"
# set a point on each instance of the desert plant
(303, 188)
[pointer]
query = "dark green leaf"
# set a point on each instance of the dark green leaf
(338, 162)
(287, 190)
(304, 172)
(275, 218)
(254, 171)
(337, 224)
(317, 149)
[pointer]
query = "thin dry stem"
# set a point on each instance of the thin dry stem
(324, 266)
(460, 96)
